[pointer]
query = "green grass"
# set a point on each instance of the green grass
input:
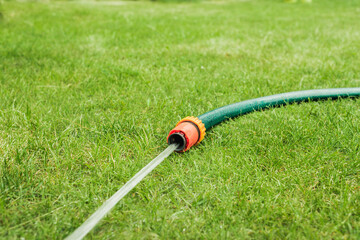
(88, 93)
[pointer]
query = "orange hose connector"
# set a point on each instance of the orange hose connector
(187, 133)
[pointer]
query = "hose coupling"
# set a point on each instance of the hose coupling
(188, 132)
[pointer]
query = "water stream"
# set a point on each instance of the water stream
(90, 223)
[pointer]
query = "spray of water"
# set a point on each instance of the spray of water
(90, 223)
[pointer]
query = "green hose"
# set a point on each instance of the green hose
(218, 115)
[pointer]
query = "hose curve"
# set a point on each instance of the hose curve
(218, 115)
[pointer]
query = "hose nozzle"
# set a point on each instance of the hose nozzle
(187, 133)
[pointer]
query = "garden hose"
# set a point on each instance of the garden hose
(191, 131)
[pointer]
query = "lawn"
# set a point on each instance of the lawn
(89, 91)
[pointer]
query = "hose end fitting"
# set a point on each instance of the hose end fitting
(187, 133)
